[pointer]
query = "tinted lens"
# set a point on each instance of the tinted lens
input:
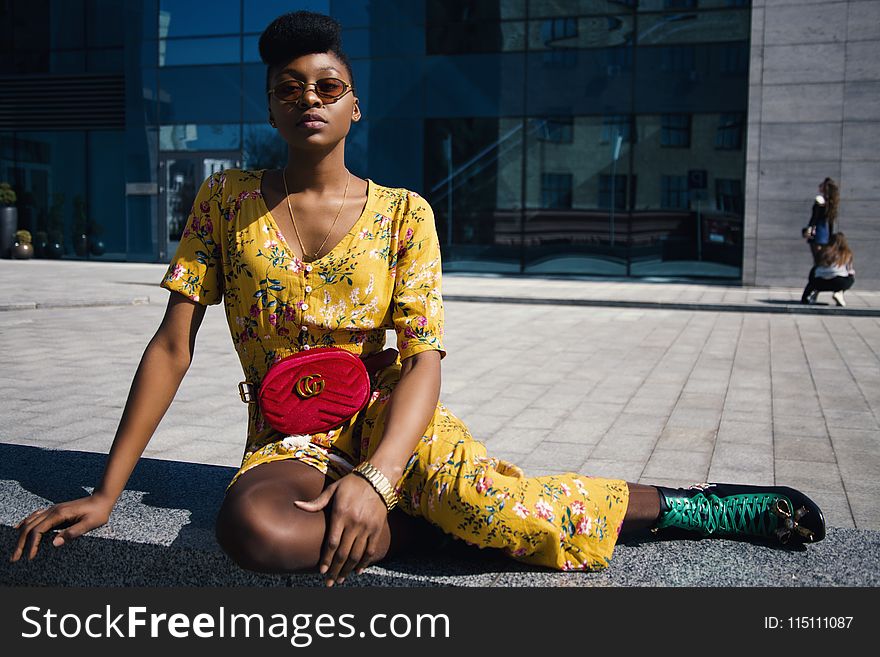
(288, 91)
(330, 87)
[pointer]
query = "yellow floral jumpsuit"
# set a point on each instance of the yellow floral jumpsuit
(385, 274)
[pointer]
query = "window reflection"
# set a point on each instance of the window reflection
(176, 52)
(551, 136)
(196, 137)
(188, 18)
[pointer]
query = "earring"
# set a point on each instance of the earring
(272, 122)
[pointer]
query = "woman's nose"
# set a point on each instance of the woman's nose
(309, 98)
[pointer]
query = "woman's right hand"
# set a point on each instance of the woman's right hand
(77, 517)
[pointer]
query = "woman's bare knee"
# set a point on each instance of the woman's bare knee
(259, 527)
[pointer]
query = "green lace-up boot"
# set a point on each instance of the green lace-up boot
(775, 513)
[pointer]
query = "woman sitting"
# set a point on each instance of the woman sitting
(833, 271)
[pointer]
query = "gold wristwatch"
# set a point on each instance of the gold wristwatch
(378, 481)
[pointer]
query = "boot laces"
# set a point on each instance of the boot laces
(751, 514)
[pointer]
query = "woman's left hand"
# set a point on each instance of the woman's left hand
(357, 517)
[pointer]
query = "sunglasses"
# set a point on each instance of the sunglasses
(328, 89)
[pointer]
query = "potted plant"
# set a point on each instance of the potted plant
(93, 230)
(22, 249)
(8, 218)
(80, 227)
(55, 246)
(41, 243)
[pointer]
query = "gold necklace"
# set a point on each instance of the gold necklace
(290, 207)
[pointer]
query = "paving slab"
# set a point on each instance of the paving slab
(649, 379)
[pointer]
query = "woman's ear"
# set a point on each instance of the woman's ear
(356, 111)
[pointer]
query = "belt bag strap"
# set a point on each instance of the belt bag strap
(249, 392)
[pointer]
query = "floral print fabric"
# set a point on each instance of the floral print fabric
(385, 274)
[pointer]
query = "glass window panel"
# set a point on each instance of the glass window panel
(600, 83)
(733, 59)
(196, 137)
(729, 195)
(614, 126)
(580, 32)
(613, 187)
(150, 82)
(220, 50)
(556, 190)
(203, 94)
(357, 42)
(694, 27)
(105, 23)
(106, 193)
(676, 130)
(673, 192)
(688, 79)
(188, 18)
(541, 8)
(354, 13)
(51, 167)
(150, 52)
(264, 148)
(473, 173)
(254, 99)
(450, 38)
(729, 135)
(66, 23)
(558, 129)
(106, 60)
(67, 61)
(589, 234)
(251, 52)
(679, 226)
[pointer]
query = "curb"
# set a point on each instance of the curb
(794, 308)
(77, 303)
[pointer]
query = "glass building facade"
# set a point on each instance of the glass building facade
(551, 137)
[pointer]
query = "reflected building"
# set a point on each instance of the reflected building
(551, 137)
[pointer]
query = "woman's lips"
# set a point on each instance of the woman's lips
(312, 125)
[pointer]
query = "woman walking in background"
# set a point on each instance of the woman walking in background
(354, 260)
(833, 272)
(823, 219)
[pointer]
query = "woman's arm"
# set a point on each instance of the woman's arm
(162, 367)
(410, 409)
(159, 375)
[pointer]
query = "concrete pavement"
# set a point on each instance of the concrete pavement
(654, 382)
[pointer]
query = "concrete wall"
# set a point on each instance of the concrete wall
(814, 111)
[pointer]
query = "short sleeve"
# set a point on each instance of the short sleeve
(417, 302)
(196, 270)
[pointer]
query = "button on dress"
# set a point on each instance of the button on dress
(384, 275)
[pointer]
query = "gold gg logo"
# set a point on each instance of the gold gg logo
(309, 386)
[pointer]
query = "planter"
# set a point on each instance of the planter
(40, 246)
(81, 245)
(8, 226)
(22, 251)
(54, 250)
(96, 247)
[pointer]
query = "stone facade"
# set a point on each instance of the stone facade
(814, 111)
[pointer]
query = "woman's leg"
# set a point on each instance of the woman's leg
(810, 290)
(261, 529)
(642, 511)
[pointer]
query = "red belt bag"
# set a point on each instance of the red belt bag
(312, 391)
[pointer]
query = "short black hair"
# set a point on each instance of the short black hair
(301, 33)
